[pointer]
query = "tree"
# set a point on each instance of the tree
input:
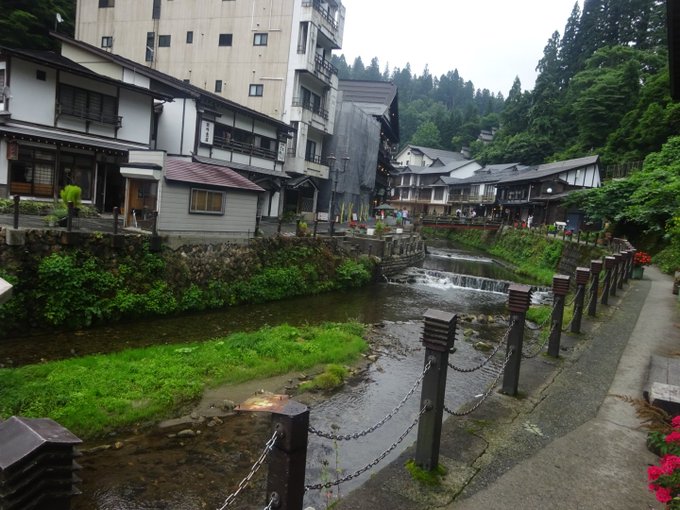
(515, 116)
(27, 23)
(358, 69)
(427, 135)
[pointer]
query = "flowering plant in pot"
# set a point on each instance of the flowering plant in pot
(641, 259)
(664, 478)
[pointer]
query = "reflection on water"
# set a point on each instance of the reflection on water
(153, 471)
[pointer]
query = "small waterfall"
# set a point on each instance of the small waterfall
(443, 280)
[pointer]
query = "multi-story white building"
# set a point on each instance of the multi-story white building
(271, 56)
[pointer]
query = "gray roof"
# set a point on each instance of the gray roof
(68, 138)
(431, 170)
(57, 61)
(368, 92)
(440, 154)
(549, 169)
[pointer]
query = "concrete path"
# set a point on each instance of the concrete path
(569, 443)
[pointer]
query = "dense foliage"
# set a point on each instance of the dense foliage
(78, 288)
(645, 207)
(92, 395)
(27, 23)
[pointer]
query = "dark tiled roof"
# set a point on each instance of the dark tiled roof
(57, 61)
(439, 153)
(372, 92)
(181, 170)
(549, 169)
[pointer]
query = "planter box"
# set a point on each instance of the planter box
(637, 273)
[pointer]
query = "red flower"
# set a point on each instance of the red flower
(641, 258)
(654, 472)
(675, 422)
(663, 495)
(673, 437)
(670, 463)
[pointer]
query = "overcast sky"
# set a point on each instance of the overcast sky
(488, 41)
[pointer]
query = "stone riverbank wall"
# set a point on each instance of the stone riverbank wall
(187, 278)
(395, 252)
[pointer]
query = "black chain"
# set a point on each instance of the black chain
(483, 363)
(384, 454)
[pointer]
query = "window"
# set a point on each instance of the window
(76, 169)
(156, 12)
(310, 153)
(107, 41)
(41, 75)
(204, 201)
(88, 105)
(256, 90)
(260, 39)
(33, 172)
(225, 39)
(163, 41)
(439, 194)
(149, 46)
(218, 85)
(190, 37)
(107, 3)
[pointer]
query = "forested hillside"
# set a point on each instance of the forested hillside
(602, 87)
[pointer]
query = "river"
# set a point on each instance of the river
(151, 470)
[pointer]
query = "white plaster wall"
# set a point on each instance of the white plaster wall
(170, 127)
(32, 100)
(136, 110)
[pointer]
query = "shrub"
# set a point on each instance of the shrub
(71, 193)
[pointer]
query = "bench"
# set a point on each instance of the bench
(662, 388)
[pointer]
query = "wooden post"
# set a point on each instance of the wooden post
(595, 270)
(623, 268)
(560, 291)
(582, 277)
(438, 337)
(116, 211)
(616, 271)
(288, 458)
(519, 299)
(69, 218)
(17, 199)
(609, 263)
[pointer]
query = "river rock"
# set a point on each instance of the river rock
(482, 346)
(186, 433)
(481, 319)
(467, 332)
(227, 405)
(118, 445)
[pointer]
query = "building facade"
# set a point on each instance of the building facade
(272, 57)
(63, 124)
(200, 126)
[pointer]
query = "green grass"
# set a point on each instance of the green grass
(331, 378)
(94, 395)
(432, 478)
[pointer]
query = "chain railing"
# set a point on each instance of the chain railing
(573, 314)
(373, 428)
(539, 345)
(375, 462)
(487, 393)
(485, 361)
(256, 467)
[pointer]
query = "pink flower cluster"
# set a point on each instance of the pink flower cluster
(665, 478)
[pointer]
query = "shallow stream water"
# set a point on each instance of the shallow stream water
(151, 470)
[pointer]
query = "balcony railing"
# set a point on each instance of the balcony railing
(243, 148)
(458, 199)
(308, 105)
(313, 158)
(90, 115)
(323, 66)
(320, 9)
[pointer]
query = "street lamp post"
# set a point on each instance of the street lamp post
(547, 205)
(331, 217)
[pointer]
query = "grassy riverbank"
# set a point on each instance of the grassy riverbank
(94, 395)
(532, 255)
